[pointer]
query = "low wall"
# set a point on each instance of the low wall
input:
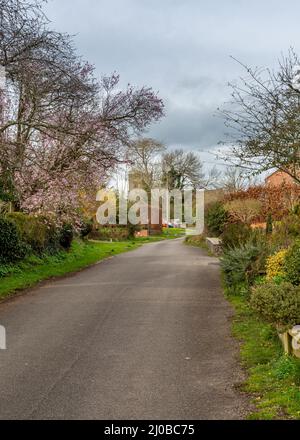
(291, 341)
(214, 245)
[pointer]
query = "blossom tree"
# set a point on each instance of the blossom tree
(60, 127)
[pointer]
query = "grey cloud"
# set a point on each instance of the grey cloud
(181, 48)
(189, 129)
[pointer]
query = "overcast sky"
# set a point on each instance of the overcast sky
(182, 49)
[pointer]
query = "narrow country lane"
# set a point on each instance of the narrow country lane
(145, 335)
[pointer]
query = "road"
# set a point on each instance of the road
(144, 335)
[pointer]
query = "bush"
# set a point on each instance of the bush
(241, 265)
(11, 246)
(216, 218)
(274, 265)
(269, 225)
(66, 236)
(110, 233)
(244, 211)
(53, 237)
(291, 264)
(279, 305)
(86, 228)
(132, 230)
(235, 235)
(286, 231)
(291, 225)
(296, 209)
(32, 230)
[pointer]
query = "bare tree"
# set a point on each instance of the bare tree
(264, 119)
(145, 157)
(182, 169)
(235, 179)
(212, 178)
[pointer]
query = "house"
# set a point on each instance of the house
(279, 178)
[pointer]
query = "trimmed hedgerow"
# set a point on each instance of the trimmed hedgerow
(31, 229)
(216, 218)
(291, 266)
(11, 246)
(277, 304)
(66, 236)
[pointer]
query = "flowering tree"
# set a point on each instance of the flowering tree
(60, 127)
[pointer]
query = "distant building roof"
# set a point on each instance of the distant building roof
(278, 178)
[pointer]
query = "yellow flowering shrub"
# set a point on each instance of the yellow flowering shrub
(275, 264)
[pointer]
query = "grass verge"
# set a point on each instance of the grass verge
(173, 232)
(198, 241)
(273, 378)
(34, 269)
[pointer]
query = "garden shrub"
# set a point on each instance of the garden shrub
(277, 304)
(292, 225)
(244, 211)
(216, 218)
(32, 230)
(274, 265)
(53, 237)
(275, 200)
(291, 264)
(296, 209)
(286, 231)
(86, 228)
(66, 236)
(110, 233)
(11, 246)
(132, 230)
(269, 225)
(51, 231)
(235, 234)
(243, 264)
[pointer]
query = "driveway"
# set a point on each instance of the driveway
(144, 335)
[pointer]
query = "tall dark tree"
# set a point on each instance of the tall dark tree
(181, 169)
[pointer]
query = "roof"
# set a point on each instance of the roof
(274, 172)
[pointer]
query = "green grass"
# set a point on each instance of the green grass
(273, 378)
(173, 232)
(167, 234)
(34, 269)
(151, 239)
(198, 241)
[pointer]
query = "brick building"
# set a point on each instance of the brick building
(279, 178)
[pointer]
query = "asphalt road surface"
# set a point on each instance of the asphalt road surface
(144, 335)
